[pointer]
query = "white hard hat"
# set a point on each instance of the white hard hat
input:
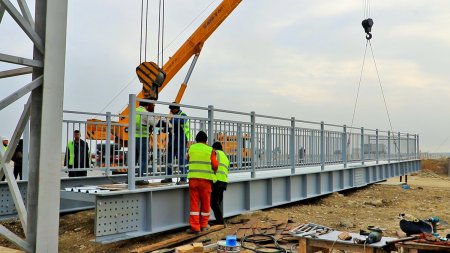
(4, 138)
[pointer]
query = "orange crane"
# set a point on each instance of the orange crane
(155, 79)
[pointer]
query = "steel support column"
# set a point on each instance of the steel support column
(46, 120)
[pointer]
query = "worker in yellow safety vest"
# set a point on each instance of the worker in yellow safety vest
(202, 174)
(144, 125)
(77, 156)
(179, 134)
(221, 185)
(5, 142)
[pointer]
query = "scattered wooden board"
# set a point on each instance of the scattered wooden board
(8, 250)
(176, 240)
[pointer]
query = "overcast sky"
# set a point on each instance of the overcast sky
(289, 58)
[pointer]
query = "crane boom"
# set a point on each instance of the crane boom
(192, 46)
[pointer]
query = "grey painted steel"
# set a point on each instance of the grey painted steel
(377, 151)
(292, 145)
(127, 214)
(253, 142)
(16, 196)
(26, 27)
(15, 239)
(191, 68)
(26, 151)
(210, 125)
(26, 12)
(131, 141)
(108, 144)
(362, 146)
(69, 203)
(21, 92)
(344, 146)
(322, 145)
(21, 61)
(48, 184)
(16, 72)
(2, 12)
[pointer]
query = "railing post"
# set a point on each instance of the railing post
(362, 146)
(417, 147)
(239, 146)
(253, 143)
(389, 147)
(292, 145)
(154, 152)
(407, 146)
(377, 150)
(131, 142)
(344, 146)
(269, 147)
(210, 125)
(26, 151)
(399, 155)
(108, 144)
(322, 145)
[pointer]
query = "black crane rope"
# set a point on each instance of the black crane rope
(367, 24)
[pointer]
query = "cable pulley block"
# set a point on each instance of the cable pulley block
(367, 25)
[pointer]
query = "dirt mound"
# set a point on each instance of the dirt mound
(438, 166)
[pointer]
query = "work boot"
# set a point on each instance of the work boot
(166, 180)
(190, 231)
(182, 182)
(206, 228)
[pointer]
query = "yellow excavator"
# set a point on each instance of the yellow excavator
(154, 79)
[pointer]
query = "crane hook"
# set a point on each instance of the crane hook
(367, 25)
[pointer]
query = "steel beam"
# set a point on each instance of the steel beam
(26, 12)
(2, 12)
(51, 123)
(21, 92)
(127, 214)
(21, 61)
(23, 23)
(16, 72)
(16, 136)
(14, 238)
(16, 196)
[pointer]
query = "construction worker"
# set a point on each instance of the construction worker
(221, 185)
(179, 134)
(5, 142)
(202, 174)
(77, 155)
(144, 125)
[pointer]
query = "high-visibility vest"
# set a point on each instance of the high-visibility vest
(71, 153)
(200, 162)
(186, 128)
(222, 170)
(4, 149)
(141, 130)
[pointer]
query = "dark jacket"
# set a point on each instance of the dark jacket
(81, 155)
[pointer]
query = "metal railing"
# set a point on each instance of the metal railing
(252, 142)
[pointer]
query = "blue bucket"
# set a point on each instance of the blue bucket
(231, 241)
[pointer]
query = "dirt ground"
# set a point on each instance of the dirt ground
(353, 210)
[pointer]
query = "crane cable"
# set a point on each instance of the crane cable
(128, 84)
(367, 25)
(161, 26)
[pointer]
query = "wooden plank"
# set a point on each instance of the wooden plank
(8, 250)
(176, 240)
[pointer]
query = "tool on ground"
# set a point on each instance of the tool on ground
(410, 238)
(310, 229)
(434, 221)
(374, 235)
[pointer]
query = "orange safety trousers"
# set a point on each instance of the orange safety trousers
(200, 198)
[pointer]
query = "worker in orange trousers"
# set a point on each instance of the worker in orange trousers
(203, 165)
